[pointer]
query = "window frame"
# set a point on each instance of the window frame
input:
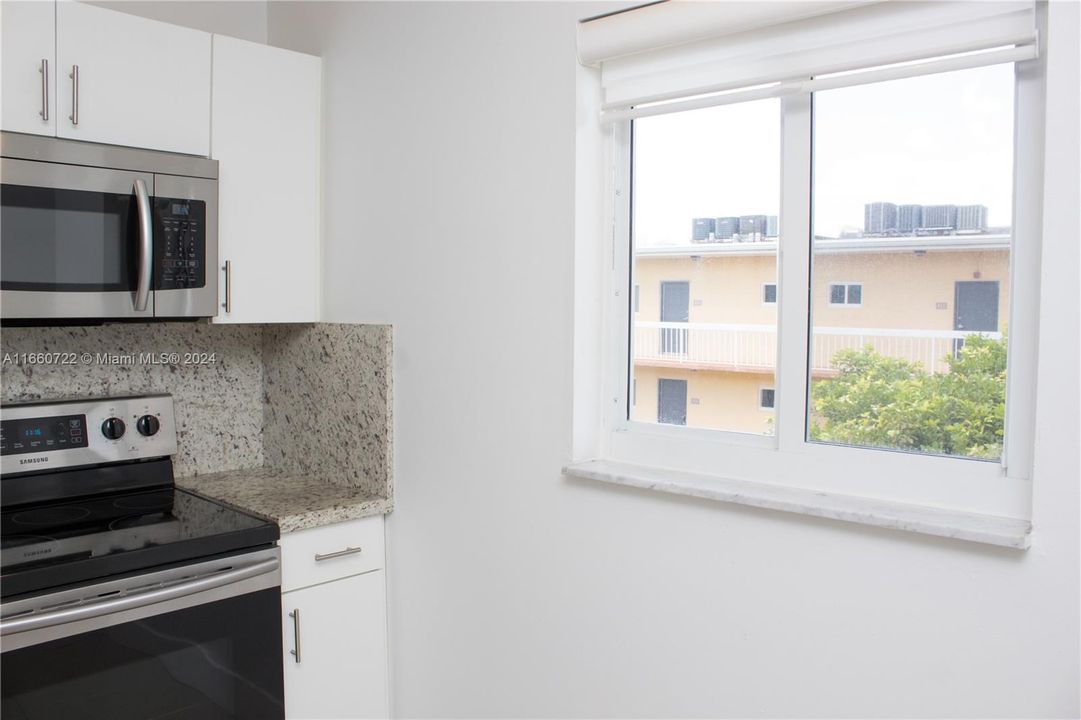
(788, 457)
(847, 285)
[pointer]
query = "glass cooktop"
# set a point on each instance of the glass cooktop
(49, 545)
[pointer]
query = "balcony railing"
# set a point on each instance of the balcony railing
(751, 348)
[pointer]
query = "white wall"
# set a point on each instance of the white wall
(449, 212)
(245, 19)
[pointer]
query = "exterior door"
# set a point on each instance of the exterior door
(672, 401)
(675, 308)
(975, 308)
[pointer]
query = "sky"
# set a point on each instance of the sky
(937, 139)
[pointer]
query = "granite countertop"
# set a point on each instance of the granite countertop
(295, 500)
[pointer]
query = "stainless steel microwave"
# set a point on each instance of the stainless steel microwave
(100, 232)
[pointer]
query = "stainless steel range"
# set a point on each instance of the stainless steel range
(122, 595)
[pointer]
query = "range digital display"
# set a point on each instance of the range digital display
(42, 434)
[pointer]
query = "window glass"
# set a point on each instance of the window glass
(704, 225)
(913, 193)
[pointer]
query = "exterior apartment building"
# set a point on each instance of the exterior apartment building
(705, 317)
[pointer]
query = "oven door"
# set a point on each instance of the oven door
(199, 641)
(77, 242)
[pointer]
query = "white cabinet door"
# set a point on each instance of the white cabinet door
(141, 82)
(340, 666)
(266, 130)
(28, 62)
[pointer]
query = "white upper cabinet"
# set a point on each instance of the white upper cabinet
(266, 137)
(126, 80)
(28, 66)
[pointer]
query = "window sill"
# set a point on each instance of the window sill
(987, 529)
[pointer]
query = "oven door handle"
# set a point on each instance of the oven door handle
(146, 245)
(136, 600)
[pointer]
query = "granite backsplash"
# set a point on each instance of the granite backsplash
(252, 402)
(310, 382)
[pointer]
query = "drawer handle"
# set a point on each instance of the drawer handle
(340, 553)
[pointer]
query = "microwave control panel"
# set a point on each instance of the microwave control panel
(179, 244)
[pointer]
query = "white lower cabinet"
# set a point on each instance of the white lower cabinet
(334, 633)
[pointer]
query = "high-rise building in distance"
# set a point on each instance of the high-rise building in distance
(971, 218)
(879, 217)
(909, 218)
(701, 229)
(939, 217)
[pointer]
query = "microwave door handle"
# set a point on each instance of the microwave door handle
(146, 247)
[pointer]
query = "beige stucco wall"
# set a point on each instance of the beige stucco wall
(726, 400)
(723, 289)
(901, 290)
(905, 290)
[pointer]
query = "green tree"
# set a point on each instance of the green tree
(889, 402)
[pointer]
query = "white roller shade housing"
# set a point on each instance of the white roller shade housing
(756, 50)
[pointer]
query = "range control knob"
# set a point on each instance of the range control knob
(113, 428)
(147, 425)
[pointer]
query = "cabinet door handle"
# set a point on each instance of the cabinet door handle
(44, 89)
(340, 553)
(74, 117)
(227, 268)
(296, 635)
